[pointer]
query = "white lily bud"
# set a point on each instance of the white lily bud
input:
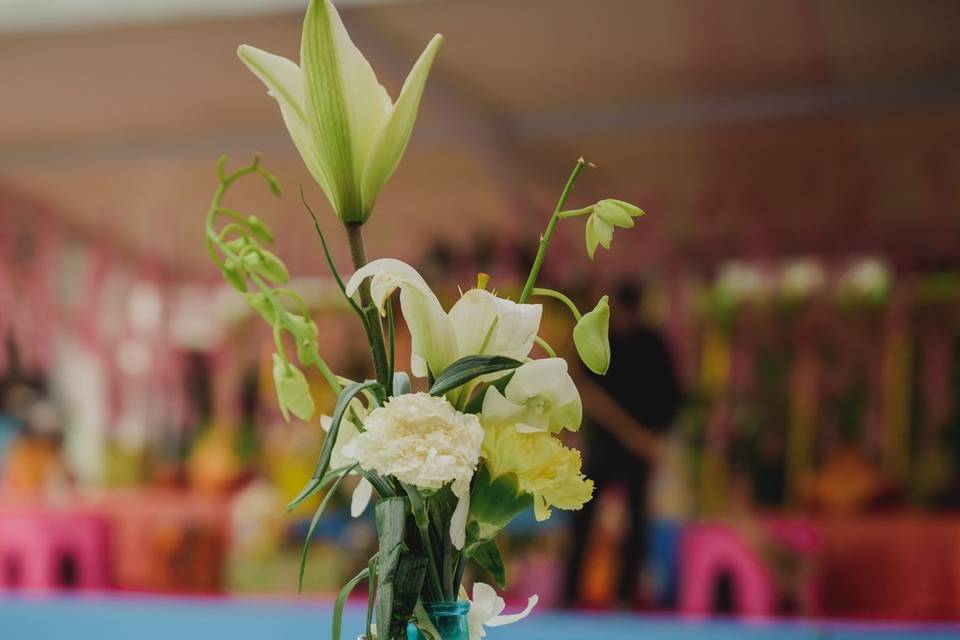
(349, 133)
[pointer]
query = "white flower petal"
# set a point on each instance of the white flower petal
(499, 621)
(523, 427)
(487, 324)
(497, 408)
(284, 80)
(533, 378)
(458, 522)
(391, 140)
(345, 104)
(485, 603)
(431, 332)
(361, 497)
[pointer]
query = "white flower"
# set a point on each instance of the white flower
(802, 278)
(423, 441)
(541, 396)
(350, 134)
(485, 608)
(479, 323)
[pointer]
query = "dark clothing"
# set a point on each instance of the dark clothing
(641, 379)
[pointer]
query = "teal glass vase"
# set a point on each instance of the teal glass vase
(450, 619)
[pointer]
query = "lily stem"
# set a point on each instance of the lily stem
(371, 323)
(545, 238)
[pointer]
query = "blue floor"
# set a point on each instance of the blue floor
(103, 618)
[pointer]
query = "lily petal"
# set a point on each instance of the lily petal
(432, 335)
(391, 140)
(490, 325)
(360, 498)
(345, 104)
(284, 81)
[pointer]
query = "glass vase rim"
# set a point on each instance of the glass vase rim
(441, 607)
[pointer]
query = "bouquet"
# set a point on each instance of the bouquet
(467, 438)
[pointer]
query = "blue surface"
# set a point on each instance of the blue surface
(103, 618)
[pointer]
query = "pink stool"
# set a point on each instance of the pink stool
(710, 551)
(52, 550)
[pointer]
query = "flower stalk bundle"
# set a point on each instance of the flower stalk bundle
(450, 465)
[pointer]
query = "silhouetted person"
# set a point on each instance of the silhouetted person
(627, 410)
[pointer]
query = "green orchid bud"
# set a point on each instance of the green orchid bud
(308, 353)
(267, 265)
(617, 212)
(599, 232)
(606, 215)
(259, 229)
(305, 327)
(592, 337)
(260, 304)
(237, 245)
(235, 275)
(293, 392)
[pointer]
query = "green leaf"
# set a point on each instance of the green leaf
(487, 555)
(313, 526)
(406, 586)
(425, 624)
(466, 369)
(391, 517)
(343, 402)
(372, 566)
(342, 599)
(476, 402)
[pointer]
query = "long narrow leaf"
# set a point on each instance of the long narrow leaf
(324, 482)
(342, 599)
(391, 516)
(406, 586)
(330, 263)
(372, 566)
(313, 526)
(487, 555)
(343, 402)
(466, 369)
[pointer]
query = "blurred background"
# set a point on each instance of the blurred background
(791, 302)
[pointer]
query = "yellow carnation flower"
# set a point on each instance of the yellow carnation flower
(545, 469)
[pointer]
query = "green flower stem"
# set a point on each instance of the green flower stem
(545, 346)
(556, 295)
(576, 213)
(545, 238)
(423, 526)
(213, 240)
(374, 329)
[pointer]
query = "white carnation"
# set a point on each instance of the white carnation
(420, 440)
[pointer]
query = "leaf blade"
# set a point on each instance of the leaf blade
(468, 368)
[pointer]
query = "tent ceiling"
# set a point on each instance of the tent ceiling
(751, 125)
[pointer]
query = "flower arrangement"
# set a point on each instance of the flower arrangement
(450, 465)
